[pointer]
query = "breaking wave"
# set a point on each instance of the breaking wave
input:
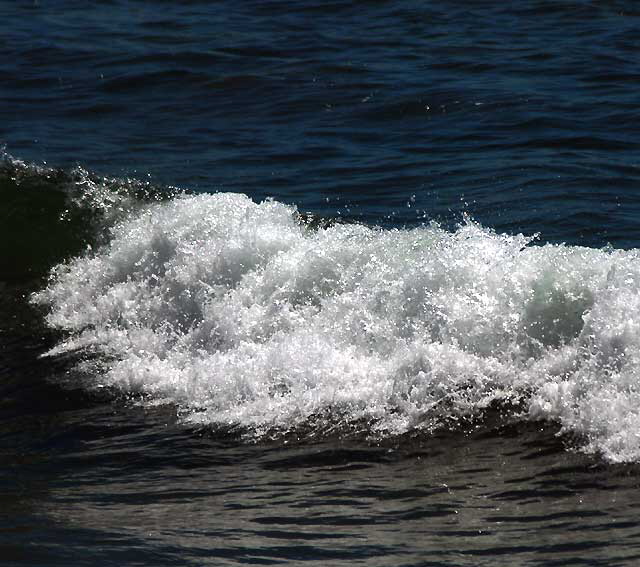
(245, 317)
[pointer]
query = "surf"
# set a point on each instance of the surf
(244, 316)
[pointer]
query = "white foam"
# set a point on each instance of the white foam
(242, 316)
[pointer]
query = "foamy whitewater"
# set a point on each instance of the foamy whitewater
(243, 316)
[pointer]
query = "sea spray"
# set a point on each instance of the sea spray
(243, 316)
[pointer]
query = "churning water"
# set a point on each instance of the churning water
(319, 283)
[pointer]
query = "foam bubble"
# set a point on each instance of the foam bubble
(242, 316)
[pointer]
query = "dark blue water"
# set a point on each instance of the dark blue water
(455, 414)
(524, 116)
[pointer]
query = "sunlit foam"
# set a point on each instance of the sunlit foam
(242, 316)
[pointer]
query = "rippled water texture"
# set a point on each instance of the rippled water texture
(326, 283)
(524, 115)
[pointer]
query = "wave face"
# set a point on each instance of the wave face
(49, 214)
(244, 317)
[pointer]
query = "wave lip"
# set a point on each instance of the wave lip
(244, 317)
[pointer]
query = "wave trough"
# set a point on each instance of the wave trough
(243, 316)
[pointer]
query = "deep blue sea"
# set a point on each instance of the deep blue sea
(319, 283)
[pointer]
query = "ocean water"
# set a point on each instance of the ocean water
(319, 283)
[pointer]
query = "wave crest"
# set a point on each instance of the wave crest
(243, 316)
